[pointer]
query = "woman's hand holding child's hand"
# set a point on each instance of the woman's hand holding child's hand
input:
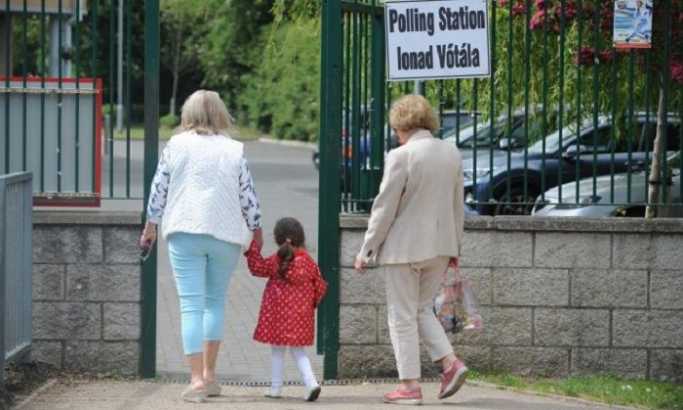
(454, 263)
(258, 238)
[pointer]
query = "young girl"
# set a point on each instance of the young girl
(294, 289)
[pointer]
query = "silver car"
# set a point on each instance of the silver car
(599, 204)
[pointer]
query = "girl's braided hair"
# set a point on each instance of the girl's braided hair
(289, 234)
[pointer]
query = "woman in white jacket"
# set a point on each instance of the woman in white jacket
(205, 194)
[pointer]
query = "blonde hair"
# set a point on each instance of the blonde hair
(411, 112)
(205, 113)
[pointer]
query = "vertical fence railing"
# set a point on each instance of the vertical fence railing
(15, 267)
(67, 68)
(567, 120)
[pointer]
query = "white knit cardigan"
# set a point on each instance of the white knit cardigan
(203, 186)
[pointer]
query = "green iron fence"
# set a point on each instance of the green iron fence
(565, 120)
(68, 69)
(70, 113)
(565, 125)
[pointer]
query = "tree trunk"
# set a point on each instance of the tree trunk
(656, 180)
(176, 73)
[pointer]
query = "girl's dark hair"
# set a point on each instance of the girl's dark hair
(289, 234)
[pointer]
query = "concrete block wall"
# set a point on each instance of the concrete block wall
(558, 297)
(87, 290)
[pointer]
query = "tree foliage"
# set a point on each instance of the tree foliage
(183, 30)
(234, 46)
(282, 95)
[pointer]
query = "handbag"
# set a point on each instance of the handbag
(455, 305)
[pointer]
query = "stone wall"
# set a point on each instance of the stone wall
(87, 290)
(558, 297)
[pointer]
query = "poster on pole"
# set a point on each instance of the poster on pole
(437, 39)
(632, 24)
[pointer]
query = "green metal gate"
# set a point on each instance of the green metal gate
(565, 122)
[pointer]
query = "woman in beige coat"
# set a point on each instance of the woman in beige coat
(415, 231)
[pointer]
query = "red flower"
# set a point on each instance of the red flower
(541, 4)
(537, 20)
(606, 56)
(677, 72)
(519, 8)
(502, 3)
(585, 57)
(542, 19)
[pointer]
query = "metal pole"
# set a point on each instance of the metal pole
(329, 195)
(119, 70)
(3, 271)
(149, 268)
(419, 87)
(60, 26)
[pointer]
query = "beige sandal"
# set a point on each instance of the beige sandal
(213, 389)
(192, 395)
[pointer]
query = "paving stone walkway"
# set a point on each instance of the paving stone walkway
(105, 395)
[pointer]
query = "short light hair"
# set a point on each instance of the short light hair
(411, 112)
(205, 113)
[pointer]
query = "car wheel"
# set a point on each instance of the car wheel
(515, 202)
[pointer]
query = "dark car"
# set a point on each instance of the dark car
(484, 138)
(448, 122)
(512, 188)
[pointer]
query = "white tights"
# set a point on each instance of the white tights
(302, 362)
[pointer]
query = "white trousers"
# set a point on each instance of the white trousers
(411, 289)
(302, 363)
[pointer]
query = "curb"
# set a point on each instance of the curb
(48, 384)
(300, 144)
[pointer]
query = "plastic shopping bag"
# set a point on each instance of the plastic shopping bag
(455, 305)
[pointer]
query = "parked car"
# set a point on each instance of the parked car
(483, 139)
(581, 155)
(449, 120)
(590, 204)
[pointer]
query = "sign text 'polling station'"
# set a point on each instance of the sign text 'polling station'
(437, 39)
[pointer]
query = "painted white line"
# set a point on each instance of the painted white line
(309, 145)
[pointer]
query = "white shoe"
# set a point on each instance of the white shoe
(274, 393)
(312, 393)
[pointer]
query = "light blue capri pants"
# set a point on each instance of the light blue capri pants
(202, 266)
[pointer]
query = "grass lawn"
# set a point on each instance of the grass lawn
(606, 389)
(137, 132)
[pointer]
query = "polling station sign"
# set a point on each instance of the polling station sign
(437, 39)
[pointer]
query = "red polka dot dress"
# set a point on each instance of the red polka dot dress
(287, 306)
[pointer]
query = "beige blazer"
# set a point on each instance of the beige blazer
(419, 212)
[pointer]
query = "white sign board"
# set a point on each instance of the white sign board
(437, 39)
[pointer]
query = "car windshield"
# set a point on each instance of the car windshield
(466, 137)
(552, 141)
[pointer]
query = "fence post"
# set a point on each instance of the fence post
(330, 147)
(149, 268)
(3, 272)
